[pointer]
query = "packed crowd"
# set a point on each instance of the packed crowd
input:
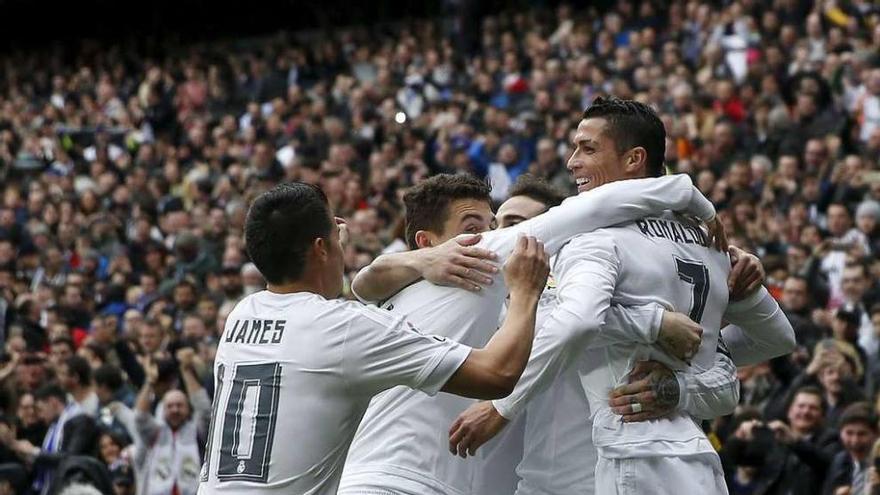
(126, 180)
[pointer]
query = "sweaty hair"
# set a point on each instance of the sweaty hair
(281, 225)
(631, 124)
(538, 189)
(427, 204)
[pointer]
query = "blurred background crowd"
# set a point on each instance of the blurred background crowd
(126, 174)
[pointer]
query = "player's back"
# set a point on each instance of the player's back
(295, 373)
(668, 261)
(403, 436)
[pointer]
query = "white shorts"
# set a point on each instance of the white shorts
(701, 473)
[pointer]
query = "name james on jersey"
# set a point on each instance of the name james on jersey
(239, 333)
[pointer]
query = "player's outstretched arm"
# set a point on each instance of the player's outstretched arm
(493, 371)
(607, 205)
(456, 263)
(760, 329)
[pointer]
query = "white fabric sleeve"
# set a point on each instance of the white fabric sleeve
(607, 205)
(588, 269)
(710, 393)
(627, 324)
(382, 350)
(760, 329)
(358, 296)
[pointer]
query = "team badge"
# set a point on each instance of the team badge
(551, 282)
(241, 467)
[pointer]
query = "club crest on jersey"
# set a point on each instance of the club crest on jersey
(241, 467)
(551, 282)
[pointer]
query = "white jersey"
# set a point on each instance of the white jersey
(401, 445)
(654, 259)
(295, 373)
(560, 456)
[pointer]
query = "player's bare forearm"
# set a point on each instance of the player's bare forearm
(492, 372)
(387, 275)
(455, 263)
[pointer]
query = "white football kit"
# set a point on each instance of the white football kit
(656, 259)
(401, 445)
(560, 458)
(294, 374)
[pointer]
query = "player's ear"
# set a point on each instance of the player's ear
(636, 161)
(319, 248)
(424, 239)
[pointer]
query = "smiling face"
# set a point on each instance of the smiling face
(595, 160)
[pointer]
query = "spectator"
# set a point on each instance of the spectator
(29, 426)
(168, 457)
(806, 434)
(70, 433)
(798, 307)
(75, 377)
(858, 432)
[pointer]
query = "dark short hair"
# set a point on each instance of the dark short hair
(538, 189)
(110, 376)
(427, 204)
(858, 412)
(79, 367)
(50, 390)
(63, 340)
(809, 390)
(98, 350)
(281, 225)
(631, 124)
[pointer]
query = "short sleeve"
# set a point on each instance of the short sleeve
(383, 350)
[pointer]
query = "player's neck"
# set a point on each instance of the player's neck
(306, 284)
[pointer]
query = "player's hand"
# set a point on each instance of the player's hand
(746, 274)
(475, 426)
(717, 234)
(528, 266)
(457, 263)
(653, 387)
(679, 336)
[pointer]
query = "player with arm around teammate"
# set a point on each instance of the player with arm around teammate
(603, 268)
(296, 368)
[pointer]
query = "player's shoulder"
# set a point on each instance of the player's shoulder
(600, 238)
(363, 314)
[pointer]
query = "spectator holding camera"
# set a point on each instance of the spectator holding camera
(756, 462)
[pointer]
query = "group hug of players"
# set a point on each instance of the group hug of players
(593, 379)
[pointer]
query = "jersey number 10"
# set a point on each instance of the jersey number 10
(248, 420)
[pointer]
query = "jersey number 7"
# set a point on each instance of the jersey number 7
(696, 274)
(248, 421)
